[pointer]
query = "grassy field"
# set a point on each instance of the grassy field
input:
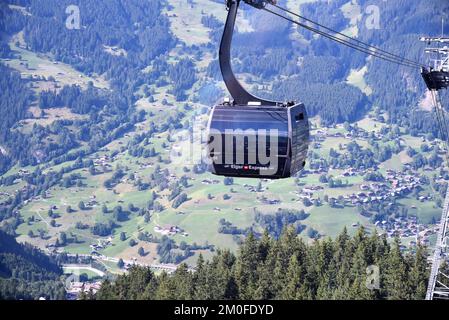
(186, 23)
(425, 211)
(356, 78)
(325, 220)
(34, 64)
(396, 162)
(78, 271)
(369, 125)
(47, 117)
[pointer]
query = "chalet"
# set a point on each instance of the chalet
(169, 230)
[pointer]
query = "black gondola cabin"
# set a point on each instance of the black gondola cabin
(249, 136)
(258, 141)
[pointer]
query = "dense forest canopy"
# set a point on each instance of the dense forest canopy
(15, 97)
(27, 273)
(288, 269)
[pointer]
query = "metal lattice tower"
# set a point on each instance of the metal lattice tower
(436, 288)
(439, 55)
(437, 78)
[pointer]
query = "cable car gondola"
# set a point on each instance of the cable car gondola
(249, 136)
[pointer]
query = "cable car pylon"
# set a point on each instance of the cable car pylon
(436, 78)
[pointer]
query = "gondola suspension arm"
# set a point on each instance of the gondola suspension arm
(238, 93)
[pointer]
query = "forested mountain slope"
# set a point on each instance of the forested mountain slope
(138, 28)
(27, 273)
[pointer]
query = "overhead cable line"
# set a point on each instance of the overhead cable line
(344, 42)
(386, 53)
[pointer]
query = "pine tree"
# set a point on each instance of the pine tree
(264, 245)
(359, 289)
(182, 278)
(418, 279)
(225, 265)
(396, 280)
(294, 280)
(202, 280)
(246, 266)
(166, 290)
(328, 283)
(106, 292)
(264, 287)
(343, 254)
(219, 277)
